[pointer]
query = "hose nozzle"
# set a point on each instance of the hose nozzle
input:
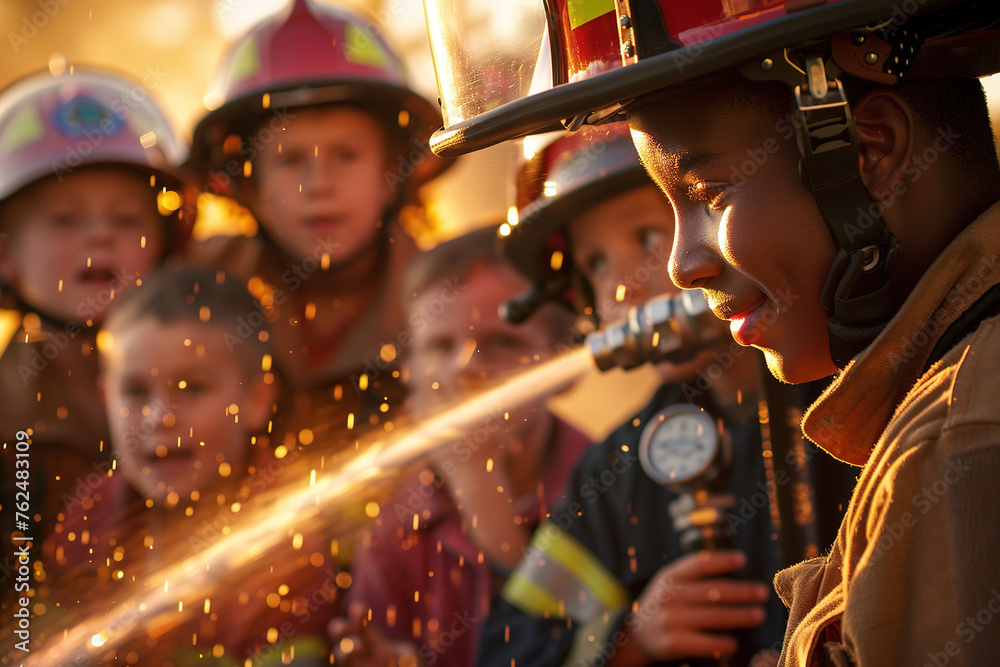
(665, 328)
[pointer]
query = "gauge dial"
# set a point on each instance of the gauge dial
(678, 444)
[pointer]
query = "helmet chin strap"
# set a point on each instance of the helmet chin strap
(857, 293)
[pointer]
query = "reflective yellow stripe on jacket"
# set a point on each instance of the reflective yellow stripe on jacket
(559, 577)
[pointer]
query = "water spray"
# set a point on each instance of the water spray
(256, 534)
(666, 328)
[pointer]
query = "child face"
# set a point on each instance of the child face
(76, 243)
(467, 343)
(321, 184)
(180, 408)
(624, 241)
(748, 231)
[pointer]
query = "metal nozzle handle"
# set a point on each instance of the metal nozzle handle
(665, 328)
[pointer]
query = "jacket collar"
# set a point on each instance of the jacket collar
(850, 416)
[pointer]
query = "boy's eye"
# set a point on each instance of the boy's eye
(347, 154)
(501, 342)
(134, 391)
(442, 346)
(62, 219)
(193, 386)
(595, 264)
(437, 347)
(710, 192)
(127, 221)
(291, 158)
(652, 238)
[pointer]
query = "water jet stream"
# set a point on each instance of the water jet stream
(189, 581)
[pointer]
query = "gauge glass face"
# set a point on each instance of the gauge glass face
(681, 446)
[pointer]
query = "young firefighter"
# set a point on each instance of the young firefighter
(611, 542)
(90, 202)
(190, 436)
(456, 531)
(319, 135)
(837, 159)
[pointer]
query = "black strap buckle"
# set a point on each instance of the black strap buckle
(857, 293)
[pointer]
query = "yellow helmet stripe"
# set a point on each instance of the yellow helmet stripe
(584, 11)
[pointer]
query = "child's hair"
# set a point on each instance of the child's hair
(455, 258)
(451, 259)
(199, 294)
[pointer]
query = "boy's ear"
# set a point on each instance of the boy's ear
(886, 128)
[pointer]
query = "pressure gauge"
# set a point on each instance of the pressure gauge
(680, 445)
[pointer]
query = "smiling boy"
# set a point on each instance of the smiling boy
(587, 195)
(908, 413)
(902, 306)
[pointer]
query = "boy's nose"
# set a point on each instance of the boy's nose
(466, 361)
(695, 260)
(319, 177)
(160, 416)
(474, 368)
(99, 231)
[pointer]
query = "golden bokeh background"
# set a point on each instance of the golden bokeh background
(178, 43)
(175, 46)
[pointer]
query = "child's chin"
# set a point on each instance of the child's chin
(170, 497)
(67, 311)
(796, 369)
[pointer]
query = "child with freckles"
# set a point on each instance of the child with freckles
(191, 437)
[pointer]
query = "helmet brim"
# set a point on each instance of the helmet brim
(526, 243)
(241, 115)
(602, 95)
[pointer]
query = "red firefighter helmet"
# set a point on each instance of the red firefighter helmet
(564, 177)
(570, 63)
(309, 55)
(51, 125)
(567, 176)
(508, 70)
